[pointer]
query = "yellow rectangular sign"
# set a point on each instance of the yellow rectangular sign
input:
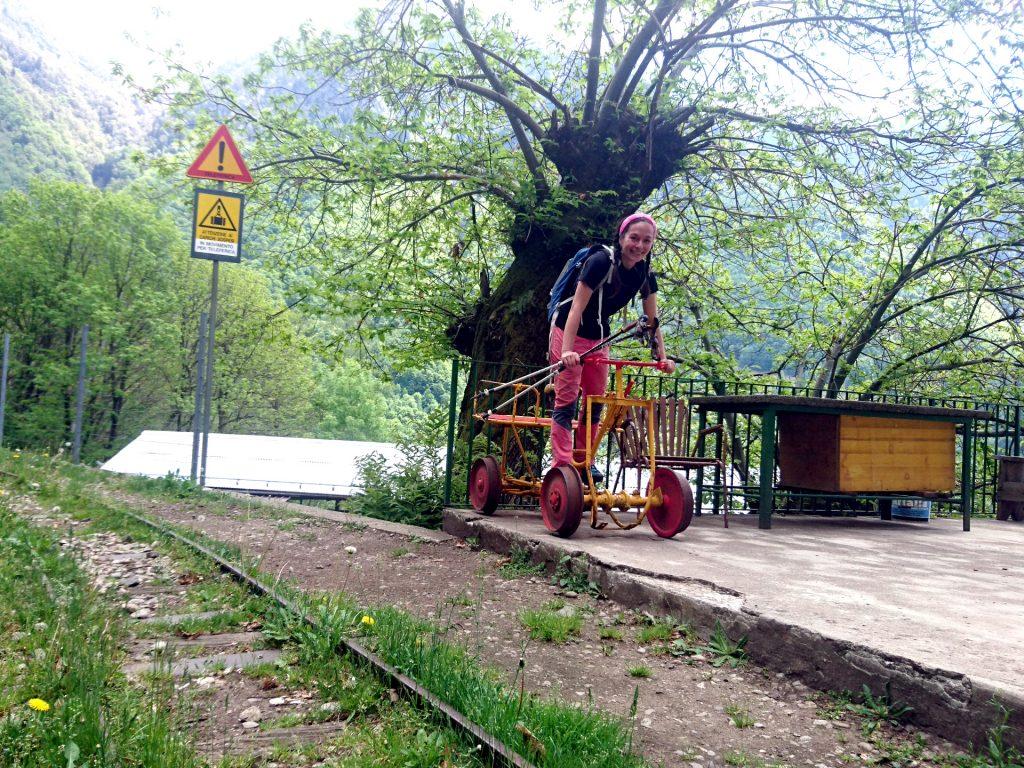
(217, 225)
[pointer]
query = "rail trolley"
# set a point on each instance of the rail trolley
(564, 492)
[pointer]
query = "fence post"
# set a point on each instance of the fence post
(1016, 430)
(449, 461)
(3, 385)
(469, 427)
(76, 445)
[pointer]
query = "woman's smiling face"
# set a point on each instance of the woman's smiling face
(636, 243)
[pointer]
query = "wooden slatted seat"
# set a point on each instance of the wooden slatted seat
(671, 438)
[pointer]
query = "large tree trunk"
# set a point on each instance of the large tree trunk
(606, 173)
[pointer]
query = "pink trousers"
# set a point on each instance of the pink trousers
(592, 378)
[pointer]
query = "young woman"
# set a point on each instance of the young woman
(582, 323)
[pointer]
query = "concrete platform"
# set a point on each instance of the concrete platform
(837, 602)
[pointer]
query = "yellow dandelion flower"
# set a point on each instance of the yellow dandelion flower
(38, 705)
(368, 621)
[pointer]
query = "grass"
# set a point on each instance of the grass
(837, 706)
(640, 671)
(996, 751)
(609, 633)
(570, 736)
(518, 565)
(402, 738)
(356, 693)
(571, 576)
(66, 654)
(659, 631)
(739, 716)
(551, 626)
(232, 619)
(876, 710)
(547, 733)
(741, 759)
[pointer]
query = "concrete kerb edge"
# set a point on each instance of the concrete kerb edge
(948, 704)
(346, 518)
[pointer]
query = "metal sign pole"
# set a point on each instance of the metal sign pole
(3, 384)
(197, 412)
(208, 383)
(216, 235)
(76, 447)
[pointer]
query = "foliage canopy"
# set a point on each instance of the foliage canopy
(838, 183)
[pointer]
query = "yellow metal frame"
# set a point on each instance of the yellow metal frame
(616, 408)
(515, 486)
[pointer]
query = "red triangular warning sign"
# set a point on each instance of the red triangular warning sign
(220, 160)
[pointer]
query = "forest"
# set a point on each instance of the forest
(839, 189)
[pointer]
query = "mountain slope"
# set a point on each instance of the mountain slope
(58, 117)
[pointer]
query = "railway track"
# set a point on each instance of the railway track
(494, 749)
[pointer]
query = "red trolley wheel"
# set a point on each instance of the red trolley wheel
(561, 501)
(676, 510)
(485, 485)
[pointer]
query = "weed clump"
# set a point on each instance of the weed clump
(414, 493)
(519, 565)
(550, 625)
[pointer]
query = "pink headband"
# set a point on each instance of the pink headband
(637, 217)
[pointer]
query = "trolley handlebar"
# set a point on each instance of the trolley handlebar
(638, 328)
(659, 364)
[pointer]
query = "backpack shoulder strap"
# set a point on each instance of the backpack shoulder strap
(600, 290)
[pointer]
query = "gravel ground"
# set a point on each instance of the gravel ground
(690, 712)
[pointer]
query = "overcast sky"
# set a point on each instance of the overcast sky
(102, 31)
(125, 31)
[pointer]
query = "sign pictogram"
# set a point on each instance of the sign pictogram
(217, 225)
(220, 160)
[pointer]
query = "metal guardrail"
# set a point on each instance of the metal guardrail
(999, 436)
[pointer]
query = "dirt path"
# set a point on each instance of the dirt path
(690, 713)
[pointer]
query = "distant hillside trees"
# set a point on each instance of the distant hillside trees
(71, 255)
(58, 118)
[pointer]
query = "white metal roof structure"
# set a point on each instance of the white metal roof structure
(269, 466)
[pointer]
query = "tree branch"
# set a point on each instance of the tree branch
(514, 113)
(852, 21)
(490, 187)
(613, 92)
(513, 110)
(528, 81)
(594, 61)
(814, 130)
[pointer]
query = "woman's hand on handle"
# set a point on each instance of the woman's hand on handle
(570, 359)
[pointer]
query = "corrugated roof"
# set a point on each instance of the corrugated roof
(280, 466)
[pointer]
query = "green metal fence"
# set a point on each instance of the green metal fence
(1001, 435)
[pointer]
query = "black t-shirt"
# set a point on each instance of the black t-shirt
(629, 283)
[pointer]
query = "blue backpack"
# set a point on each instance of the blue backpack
(570, 274)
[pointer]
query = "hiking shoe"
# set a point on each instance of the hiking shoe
(596, 473)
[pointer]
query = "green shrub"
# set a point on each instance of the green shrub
(415, 493)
